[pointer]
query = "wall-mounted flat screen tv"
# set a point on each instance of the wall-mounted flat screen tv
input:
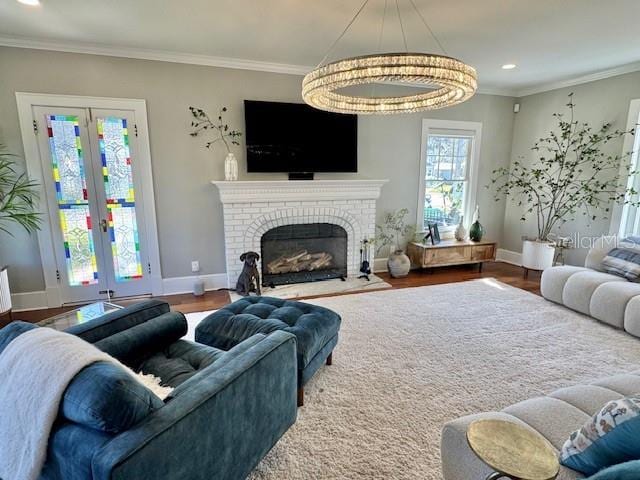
(296, 138)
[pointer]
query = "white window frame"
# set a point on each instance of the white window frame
(25, 103)
(470, 195)
(621, 213)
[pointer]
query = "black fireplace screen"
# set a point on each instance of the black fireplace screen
(303, 253)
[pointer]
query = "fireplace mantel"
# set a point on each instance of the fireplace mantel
(251, 208)
(298, 190)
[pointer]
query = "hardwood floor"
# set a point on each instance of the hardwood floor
(187, 303)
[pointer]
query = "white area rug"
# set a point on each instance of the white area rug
(409, 360)
(326, 287)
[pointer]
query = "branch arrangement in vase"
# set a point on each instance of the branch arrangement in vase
(202, 124)
(18, 196)
(570, 175)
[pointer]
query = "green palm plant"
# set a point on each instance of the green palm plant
(18, 196)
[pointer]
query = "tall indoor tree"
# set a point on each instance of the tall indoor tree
(570, 175)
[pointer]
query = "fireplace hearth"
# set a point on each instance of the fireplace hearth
(301, 253)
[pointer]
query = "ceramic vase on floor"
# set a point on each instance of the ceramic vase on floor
(398, 264)
(537, 255)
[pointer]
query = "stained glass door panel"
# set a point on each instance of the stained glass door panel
(68, 178)
(73, 201)
(115, 156)
(120, 200)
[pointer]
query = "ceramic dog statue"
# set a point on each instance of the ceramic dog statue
(249, 279)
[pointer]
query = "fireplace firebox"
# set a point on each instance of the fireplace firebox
(305, 252)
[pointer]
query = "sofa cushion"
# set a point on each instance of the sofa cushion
(106, 397)
(180, 361)
(608, 438)
(632, 316)
(625, 384)
(609, 302)
(624, 262)
(623, 471)
(134, 345)
(554, 279)
(588, 398)
(599, 250)
(70, 451)
(580, 286)
(552, 418)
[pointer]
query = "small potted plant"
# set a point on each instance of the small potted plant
(570, 175)
(202, 123)
(393, 233)
(18, 198)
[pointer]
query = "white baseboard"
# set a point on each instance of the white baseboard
(39, 300)
(26, 301)
(507, 256)
(380, 265)
(176, 285)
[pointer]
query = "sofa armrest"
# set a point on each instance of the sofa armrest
(119, 320)
(220, 428)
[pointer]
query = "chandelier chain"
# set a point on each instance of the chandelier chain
(404, 37)
(333, 45)
(433, 35)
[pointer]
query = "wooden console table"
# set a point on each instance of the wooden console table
(451, 252)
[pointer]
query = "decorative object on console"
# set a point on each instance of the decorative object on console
(476, 232)
(450, 81)
(433, 234)
(608, 438)
(559, 183)
(393, 233)
(461, 233)
(203, 123)
(249, 279)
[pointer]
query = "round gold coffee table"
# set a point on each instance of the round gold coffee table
(513, 451)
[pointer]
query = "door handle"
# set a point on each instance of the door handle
(103, 225)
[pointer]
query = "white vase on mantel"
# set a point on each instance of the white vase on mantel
(230, 168)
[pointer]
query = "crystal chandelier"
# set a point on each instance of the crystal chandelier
(449, 81)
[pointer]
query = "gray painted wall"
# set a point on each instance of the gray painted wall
(189, 212)
(596, 103)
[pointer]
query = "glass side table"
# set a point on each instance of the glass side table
(79, 315)
(513, 451)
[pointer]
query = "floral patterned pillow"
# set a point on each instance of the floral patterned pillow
(611, 437)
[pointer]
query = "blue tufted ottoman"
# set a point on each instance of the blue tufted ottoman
(316, 329)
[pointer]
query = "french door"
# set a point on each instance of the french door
(95, 202)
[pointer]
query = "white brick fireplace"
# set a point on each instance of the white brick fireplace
(251, 208)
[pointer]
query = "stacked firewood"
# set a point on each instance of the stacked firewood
(300, 261)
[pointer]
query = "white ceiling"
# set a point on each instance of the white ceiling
(550, 40)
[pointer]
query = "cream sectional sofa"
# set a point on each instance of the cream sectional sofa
(589, 290)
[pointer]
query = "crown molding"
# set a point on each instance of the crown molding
(157, 55)
(271, 67)
(592, 77)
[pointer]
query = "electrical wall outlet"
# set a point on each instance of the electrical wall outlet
(195, 266)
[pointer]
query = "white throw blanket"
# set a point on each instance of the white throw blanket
(35, 370)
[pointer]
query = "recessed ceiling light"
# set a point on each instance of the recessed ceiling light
(31, 3)
(508, 66)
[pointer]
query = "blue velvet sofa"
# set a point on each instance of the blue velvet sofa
(226, 411)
